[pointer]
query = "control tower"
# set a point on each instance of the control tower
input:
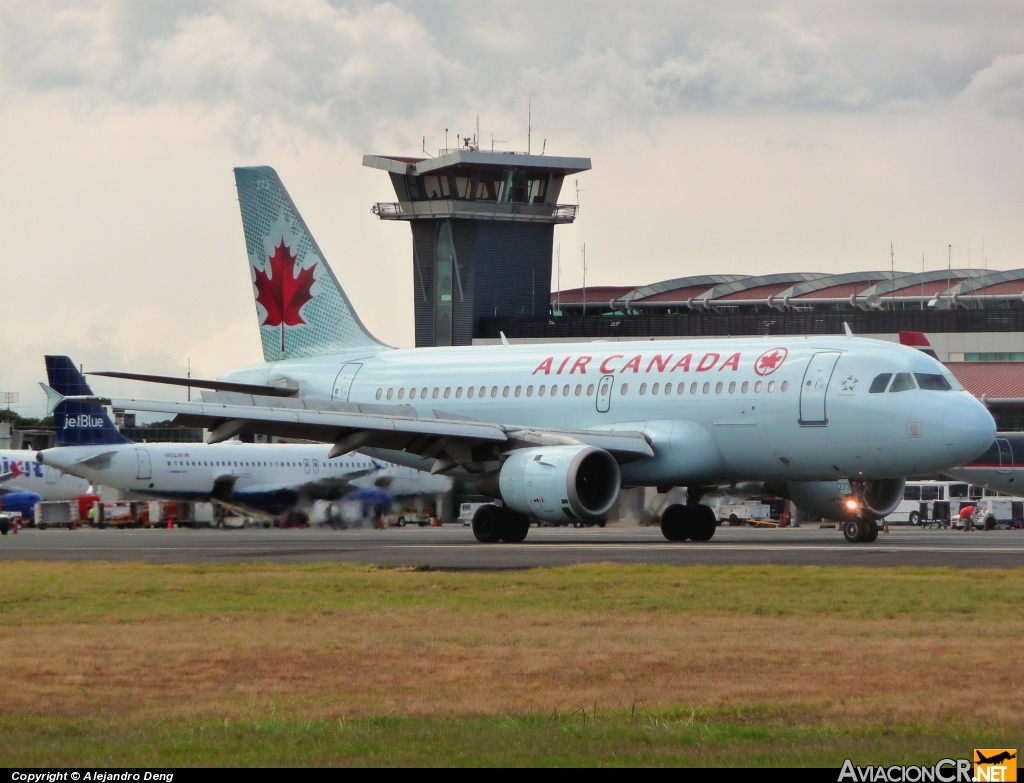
(483, 226)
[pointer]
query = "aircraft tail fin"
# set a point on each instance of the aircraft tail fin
(78, 423)
(302, 309)
(918, 340)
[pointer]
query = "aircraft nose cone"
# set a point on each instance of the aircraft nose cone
(968, 428)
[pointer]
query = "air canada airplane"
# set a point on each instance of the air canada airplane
(274, 478)
(553, 431)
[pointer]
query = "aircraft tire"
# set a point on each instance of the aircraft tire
(514, 527)
(703, 524)
(677, 522)
(872, 531)
(487, 527)
(855, 530)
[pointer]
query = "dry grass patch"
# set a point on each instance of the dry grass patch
(139, 642)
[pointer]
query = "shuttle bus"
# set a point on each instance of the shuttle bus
(939, 502)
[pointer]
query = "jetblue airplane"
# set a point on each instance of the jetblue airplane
(554, 430)
(274, 479)
(25, 481)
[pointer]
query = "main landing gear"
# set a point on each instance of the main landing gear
(696, 522)
(860, 531)
(495, 523)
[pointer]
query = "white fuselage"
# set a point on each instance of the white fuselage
(49, 483)
(795, 409)
(191, 470)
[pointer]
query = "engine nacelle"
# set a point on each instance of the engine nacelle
(841, 500)
(560, 483)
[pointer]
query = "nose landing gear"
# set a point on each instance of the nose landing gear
(860, 531)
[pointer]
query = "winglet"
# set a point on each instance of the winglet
(53, 398)
(504, 339)
(849, 331)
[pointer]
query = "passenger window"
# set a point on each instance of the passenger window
(379, 393)
(401, 393)
(494, 391)
(540, 391)
(718, 388)
(579, 389)
(565, 390)
(911, 493)
(681, 388)
(784, 386)
(879, 383)
(771, 386)
(655, 388)
(529, 391)
(519, 390)
(390, 392)
(732, 387)
(707, 388)
(903, 381)
(471, 391)
(932, 382)
(590, 390)
(693, 388)
(929, 492)
(423, 393)
(458, 393)
(483, 391)
(757, 387)
(436, 390)
(623, 388)
(643, 388)
(958, 490)
(412, 394)
(744, 387)
(504, 392)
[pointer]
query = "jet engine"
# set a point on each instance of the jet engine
(556, 483)
(835, 500)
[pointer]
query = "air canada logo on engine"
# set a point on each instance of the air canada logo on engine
(770, 361)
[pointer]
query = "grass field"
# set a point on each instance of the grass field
(129, 664)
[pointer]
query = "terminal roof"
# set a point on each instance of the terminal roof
(505, 160)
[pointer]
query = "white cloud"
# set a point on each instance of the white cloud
(1000, 87)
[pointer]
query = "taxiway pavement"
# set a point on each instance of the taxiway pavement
(453, 547)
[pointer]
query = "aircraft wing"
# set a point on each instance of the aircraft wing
(423, 432)
(7, 476)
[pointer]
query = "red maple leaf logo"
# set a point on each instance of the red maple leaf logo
(770, 361)
(283, 293)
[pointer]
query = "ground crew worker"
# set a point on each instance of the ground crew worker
(967, 517)
(92, 514)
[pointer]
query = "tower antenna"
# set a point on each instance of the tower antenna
(892, 270)
(584, 279)
(529, 124)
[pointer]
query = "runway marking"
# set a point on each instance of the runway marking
(306, 549)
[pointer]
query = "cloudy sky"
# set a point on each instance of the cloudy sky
(726, 136)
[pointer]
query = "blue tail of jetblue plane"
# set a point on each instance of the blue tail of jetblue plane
(78, 423)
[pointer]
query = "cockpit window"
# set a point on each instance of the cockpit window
(903, 381)
(932, 382)
(879, 383)
(957, 386)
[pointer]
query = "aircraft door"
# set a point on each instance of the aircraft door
(316, 467)
(305, 464)
(145, 468)
(604, 393)
(343, 383)
(814, 386)
(1005, 455)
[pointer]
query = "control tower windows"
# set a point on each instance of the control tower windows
(444, 260)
